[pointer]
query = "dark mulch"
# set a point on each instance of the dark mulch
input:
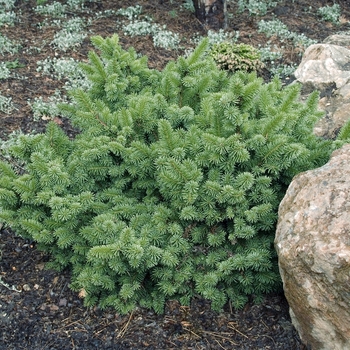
(46, 314)
(37, 308)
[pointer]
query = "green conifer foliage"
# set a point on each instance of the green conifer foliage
(234, 57)
(171, 189)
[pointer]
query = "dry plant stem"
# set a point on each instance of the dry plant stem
(236, 330)
(70, 324)
(125, 327)
(220, 335)
(195, 334)
(221, 345)
(102, 329)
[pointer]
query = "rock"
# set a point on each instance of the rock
(313, 246)
(338, 39)
(326, 67)
(337, 114)
(26, 287)
(324, 64)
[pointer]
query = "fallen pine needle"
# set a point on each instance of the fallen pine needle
(236, 330)
(125, 327)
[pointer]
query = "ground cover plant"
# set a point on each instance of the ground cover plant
(330, 13)
(53, 66)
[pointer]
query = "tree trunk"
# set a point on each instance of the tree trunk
(211, 12)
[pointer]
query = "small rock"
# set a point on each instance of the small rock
(63, 302)
(53, 307)
(26, 287)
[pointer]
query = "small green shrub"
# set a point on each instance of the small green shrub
(131, 12)
(7, 18)
(219, 36)
(4, 71)
(256, 7)
(234, 57)
(6, 5)
(6, 105)
(171, 189)
(277, 28)
(14, 64)
(7, 46)
(46, 109)
(188, 5)
(161, 37)
(71, 35)
(76, 4)
(55, 9)
(330, 13)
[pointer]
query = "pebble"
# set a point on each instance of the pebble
(26, 287)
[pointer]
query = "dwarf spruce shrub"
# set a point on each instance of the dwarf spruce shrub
(171, 188)
(234, 57)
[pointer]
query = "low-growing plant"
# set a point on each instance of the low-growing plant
(161, 37)
(71, 35)
(4, 71)
(76, 4)
(105, 14)
(173, 14)
(7, 46)
(233, 57)
(65, 40)
(188, 5)
(256, 7)
(6, 5)
(283, 70)
(171, 189)
(48, 109)
(64, 68)
(6, 104)
(217, 37)
(274, 27)
(14, 64)
(140, 28)
(268, 54)
(7, 18)
(131, 12)
(6, 145)
(5, 68)
(58, 68)
(330, 13)
(214, 37)
(279, 29)
(166, 39)
(55, 9)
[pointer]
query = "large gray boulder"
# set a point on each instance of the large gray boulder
(313, 245)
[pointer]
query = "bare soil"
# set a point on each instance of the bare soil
(37, 308)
